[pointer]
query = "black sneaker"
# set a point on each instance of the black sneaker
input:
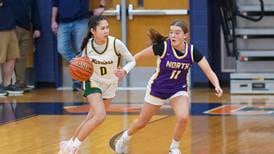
(3, 92)
(13, 89)
(23, 86)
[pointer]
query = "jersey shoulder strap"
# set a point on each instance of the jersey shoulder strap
(115, 49)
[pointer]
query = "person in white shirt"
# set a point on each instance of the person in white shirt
(105, 53)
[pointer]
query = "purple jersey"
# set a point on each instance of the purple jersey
(171, 73)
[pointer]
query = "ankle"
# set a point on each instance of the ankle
(126, 136)
(174, 144)
(77, 142)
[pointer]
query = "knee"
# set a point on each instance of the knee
(100, 118)
(183, 119)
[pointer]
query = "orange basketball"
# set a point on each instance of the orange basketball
(81, 68)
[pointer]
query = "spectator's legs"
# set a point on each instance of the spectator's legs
(24, 38)
(7, 70)
(80, 29)
(11, 50)
(64, 41)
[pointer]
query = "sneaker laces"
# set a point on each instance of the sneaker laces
(73, 150)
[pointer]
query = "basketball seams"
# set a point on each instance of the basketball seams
(81, 69)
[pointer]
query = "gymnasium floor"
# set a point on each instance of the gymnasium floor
(36, 122)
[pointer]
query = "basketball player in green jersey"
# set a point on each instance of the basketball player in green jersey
(105, 53)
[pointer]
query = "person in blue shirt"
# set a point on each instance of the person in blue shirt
(27, 28)
(9, 50)
(70, 22)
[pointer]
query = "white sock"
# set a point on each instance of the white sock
(126, 136)
(174, 144)
(76, 142)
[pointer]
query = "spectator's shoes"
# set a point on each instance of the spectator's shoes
(3, 92)
(24, 86)
(13, 89)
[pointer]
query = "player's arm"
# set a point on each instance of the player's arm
(203, 63)
(125, 53)
(156, 49)
(147, 52)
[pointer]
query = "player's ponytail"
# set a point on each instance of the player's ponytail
(155, 36)
(92, 23)
(85, 41)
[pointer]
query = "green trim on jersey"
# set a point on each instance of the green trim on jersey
(117, 53)
(92, 41)
(114, 45)
(90, 90)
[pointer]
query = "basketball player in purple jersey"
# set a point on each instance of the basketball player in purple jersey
(175, 57)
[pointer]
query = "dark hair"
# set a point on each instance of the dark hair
(157, 37)
(92, 23)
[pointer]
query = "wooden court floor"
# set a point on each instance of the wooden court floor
(36, 122)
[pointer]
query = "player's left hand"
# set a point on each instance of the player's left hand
(120, 73)
(218, 91)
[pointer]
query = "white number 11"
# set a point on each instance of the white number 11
(175, 74)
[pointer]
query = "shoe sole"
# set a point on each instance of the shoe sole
(3, 94)
(13, 92)
(27, 89)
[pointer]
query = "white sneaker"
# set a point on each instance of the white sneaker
(174, 151)
(63, 149)
(73, 149)
(121, 146)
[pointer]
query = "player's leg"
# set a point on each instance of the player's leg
(148, 110)
(99, 115)
(68, 143)
(90, 115)
(180, 105)
(95, 117)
